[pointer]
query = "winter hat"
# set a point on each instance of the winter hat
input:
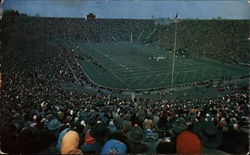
(70, 142)
(149, 134)
(53, 124)
(209, 134)
(112, 127)
(177, 128)
(61, 135)
(126, 125)
(188, 143)
(114, 146)
(136, 135)
(100, 132)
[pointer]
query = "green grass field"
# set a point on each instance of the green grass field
(132, 66)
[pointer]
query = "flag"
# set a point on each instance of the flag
(175, 20)
(176, 15)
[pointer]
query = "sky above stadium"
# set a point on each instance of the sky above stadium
(138, 9)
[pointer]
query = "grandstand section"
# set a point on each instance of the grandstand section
(114, 75)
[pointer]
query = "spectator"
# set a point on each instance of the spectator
(210, 136)
(135, 137)
(29, 141)
(70, 143)
(101, 134)
(114, 146)
(9, 134)
(188, 144)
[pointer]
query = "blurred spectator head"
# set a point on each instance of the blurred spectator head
(126, 126)
(209, 134)
(136, 135)
(114, 147)
(53, 124)
(70, 143)
(100, 132)
(188, 144)
(8, 134)
(166, 148)
(29, 141)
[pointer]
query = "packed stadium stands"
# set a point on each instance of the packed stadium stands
(38, 115)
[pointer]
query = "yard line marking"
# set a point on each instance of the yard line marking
(154, 79)
(165, 78)
(143, 80)
(203, 74)
(175, 76)
(194, 75)
(133, 80)
(211, 73)
(109, 70)
(184, 77)
(72, 71)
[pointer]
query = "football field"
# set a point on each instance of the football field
(136, 66)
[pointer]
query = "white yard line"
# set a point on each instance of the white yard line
(142, 81)
(183, 79)
(211, 74)
(165, 78)
(133, 80)
(194, 74)
(151, 33)
(203, 73)
(72, 70)
(140, 35)
(82, 70)
(108, 69)
(154, 79)
(175, 76)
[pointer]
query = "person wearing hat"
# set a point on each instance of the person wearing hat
(53, 125)
(100, 133)
(150, 141)
(140, 116)
(166, 146)
(235, 142)
(126, 126)
(112, 126)
(135, 138)
(178, 127)
(29, 141)
(188, 143)
(114, 146)
(9, 134)
(210, 136)
(70, 143)
(54, 129)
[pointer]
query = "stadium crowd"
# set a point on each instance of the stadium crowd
(229, 41)
(222, 40)
(39, 116)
